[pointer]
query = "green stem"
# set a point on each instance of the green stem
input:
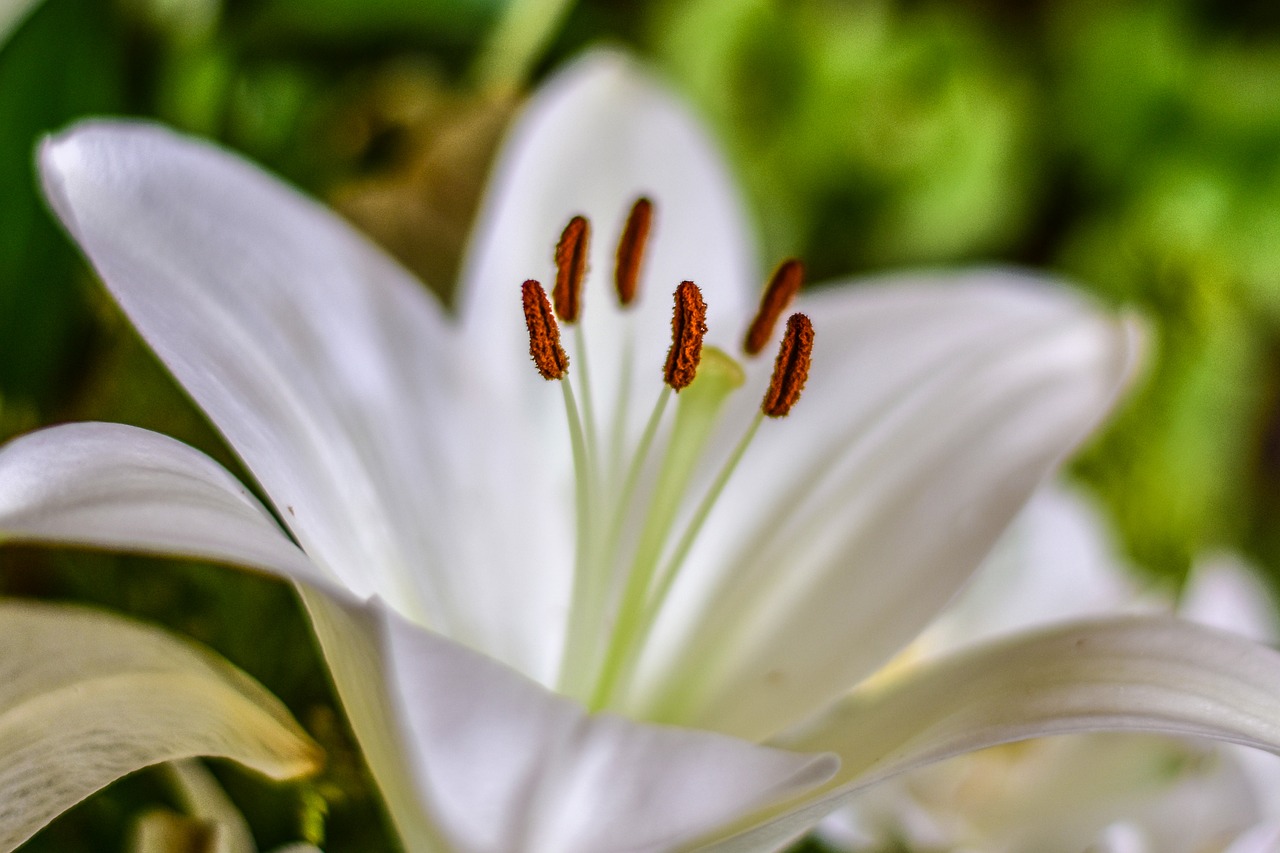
(588, 401)
(516, 41)
(697, 412)
(666, 578)
(574, 669)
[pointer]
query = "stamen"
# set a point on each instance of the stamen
(544, 333)
(688, 327)
(786, 282)
(791, 368)
(571, 268)
(697, 414)
(626, 272)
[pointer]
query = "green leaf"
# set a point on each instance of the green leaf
(64, 61)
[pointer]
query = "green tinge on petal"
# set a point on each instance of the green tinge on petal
(86, 697)
(1151, 674)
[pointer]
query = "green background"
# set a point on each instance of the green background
(1132, 146)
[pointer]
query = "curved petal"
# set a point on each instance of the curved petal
(348, 633)
(592, 139)
(1057, 795)
(86, 698)
(1133, 673)
(1224, 592)
(1057, 562)
(330, 371)
(506, 766)
(115, 486)
(935, 406)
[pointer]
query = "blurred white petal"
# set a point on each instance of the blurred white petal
(1135, 673)
(115, 486)
(86, 698)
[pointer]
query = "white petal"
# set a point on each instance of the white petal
(115, 486)
(1058, 561)
(1131, 673)
(350, 641)
(592, 139)
(86, 698)
(508, 767)
(935, 406)
(1263, 838)
(1056, 795)
(1224, 592)
(330, 371)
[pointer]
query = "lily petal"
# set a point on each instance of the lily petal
(1224, 592)
(1151, 674)
(934, 408)
(507, 766)
(592, 139)
(115, 486)
(1056, 563)
(86, 698)
(329, 370)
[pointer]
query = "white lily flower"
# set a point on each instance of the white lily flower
(455, 553)
(86, 698)
(1116, 792)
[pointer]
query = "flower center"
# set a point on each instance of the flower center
(631, 546)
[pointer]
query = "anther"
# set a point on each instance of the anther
(626, 271)
(544, 333)
(571, 268)
(791, 368)
(785, 283)
(688, 327)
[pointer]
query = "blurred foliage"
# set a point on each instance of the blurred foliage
(1133, 146)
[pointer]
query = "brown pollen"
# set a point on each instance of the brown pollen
(688, 327)
(635, 235)
(783, 286)
(791, 368)
(544, 333)
(571, 268)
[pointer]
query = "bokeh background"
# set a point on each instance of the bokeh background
(1130, 145)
